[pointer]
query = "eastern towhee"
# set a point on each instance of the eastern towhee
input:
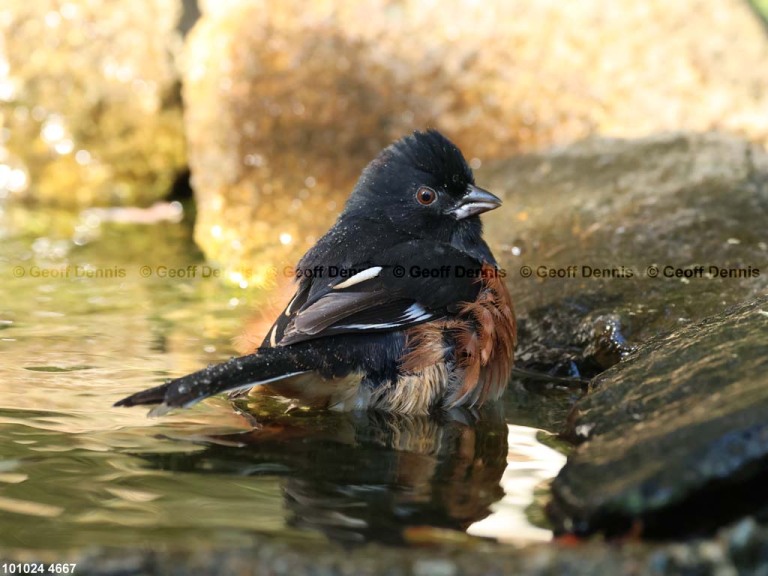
(399, 307)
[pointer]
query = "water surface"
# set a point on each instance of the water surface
(82, 324)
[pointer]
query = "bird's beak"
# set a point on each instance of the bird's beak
(475, 201)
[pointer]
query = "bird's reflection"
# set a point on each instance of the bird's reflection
(367, 476)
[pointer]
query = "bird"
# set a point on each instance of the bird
(400, 307)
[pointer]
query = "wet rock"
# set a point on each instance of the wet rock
(748, 546)
(568, 339)
(89, 106)
(606, 242)
(676, 435)
(284, 111)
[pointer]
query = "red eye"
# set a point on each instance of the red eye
(425, 195)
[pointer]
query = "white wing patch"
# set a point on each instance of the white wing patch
(414, 313)
(290, 304)
(362, 276)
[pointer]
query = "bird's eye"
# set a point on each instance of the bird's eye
(425, 195)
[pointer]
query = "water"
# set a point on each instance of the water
(75, 472)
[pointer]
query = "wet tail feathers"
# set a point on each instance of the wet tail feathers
(264, 366)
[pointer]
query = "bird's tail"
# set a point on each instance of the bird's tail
(264, 366)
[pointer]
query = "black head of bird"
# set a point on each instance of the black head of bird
(422, 185)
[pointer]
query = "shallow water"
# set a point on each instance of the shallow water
(76, 472)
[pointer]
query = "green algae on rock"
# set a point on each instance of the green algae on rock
(676, 435)
(89, 107)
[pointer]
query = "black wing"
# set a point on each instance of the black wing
(277, 331)
(411, 283)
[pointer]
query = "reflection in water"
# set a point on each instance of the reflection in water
(530, 466)
(368, 476)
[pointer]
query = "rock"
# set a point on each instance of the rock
(687, 204)
(677, 435)
(89, 106)
(284, 111)
(299, 556)
(748, 547)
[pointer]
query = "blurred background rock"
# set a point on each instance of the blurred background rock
(89, 105)
(284, 103)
